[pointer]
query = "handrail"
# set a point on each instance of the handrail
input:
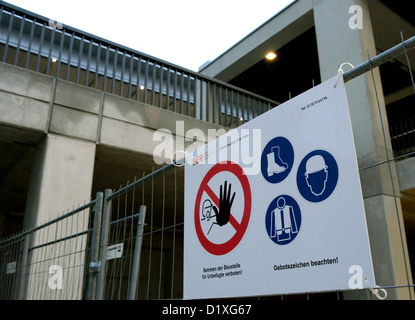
(94, 58)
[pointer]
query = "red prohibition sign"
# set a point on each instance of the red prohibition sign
(240, 227)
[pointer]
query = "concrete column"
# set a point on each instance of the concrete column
(338, 43)
(61, 180)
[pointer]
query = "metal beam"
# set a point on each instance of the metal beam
(379, 59)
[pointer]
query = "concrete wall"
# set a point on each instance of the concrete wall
(42, 103)
(405, 172)
(71, 120)
(338, 43)
(65, 124)
(277, 32)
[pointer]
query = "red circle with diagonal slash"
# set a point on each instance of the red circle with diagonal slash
(224, 248)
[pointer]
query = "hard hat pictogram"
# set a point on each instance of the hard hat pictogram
(317, 176)
(315, 164)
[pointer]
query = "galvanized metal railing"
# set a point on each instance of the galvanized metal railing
(403, 137)
(36, 43)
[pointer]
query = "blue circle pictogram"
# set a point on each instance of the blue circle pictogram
(277, 160)
(283, 220)
(317, 176)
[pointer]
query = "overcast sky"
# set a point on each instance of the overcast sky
(184, 32)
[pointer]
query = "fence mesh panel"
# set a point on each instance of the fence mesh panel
(50, 261)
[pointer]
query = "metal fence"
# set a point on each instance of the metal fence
(402, 133)
(125, 244)
(32, 263)
(144, 222)
(33, 42)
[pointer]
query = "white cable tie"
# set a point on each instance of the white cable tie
(376, 290)
(177, 162)
(341, 72)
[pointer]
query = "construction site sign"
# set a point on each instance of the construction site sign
(275, 206)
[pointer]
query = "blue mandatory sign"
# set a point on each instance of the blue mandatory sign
(317, 176)
(277, 160)
(283, 220)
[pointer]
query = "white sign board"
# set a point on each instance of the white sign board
(115, 251)
(275, 206)
(11, 267)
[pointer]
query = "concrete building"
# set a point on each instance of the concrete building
(78, 113)
(78, 116)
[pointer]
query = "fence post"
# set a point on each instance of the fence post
(137, 254)
(23, 268)
(106, 213)
(94, 262)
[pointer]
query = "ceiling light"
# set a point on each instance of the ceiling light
(271, 56)
(54, 59)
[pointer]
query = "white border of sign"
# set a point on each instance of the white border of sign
(307, 227)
